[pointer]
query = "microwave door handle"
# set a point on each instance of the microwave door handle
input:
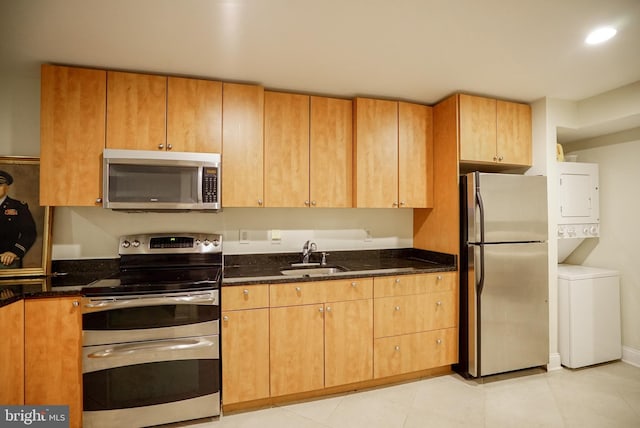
(164, 345)
(200, 178)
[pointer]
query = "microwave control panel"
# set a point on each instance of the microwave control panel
(210, 185)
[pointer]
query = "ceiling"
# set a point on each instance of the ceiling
(416, 50)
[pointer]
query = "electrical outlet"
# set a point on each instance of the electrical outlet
(368, 237)
(276, 236)
(244, 236)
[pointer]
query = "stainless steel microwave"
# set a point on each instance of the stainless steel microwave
(141, 180)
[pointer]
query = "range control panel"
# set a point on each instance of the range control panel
(179, 243)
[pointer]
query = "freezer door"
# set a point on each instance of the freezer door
(512, 313)
(514, 207)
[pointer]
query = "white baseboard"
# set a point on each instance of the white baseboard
(554, 362)
(631, 356)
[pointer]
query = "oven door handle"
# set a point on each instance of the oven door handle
(115, 303)
(164, 345)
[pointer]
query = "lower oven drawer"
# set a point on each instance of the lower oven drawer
(155, 382)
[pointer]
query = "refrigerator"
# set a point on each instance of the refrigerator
(504, 306)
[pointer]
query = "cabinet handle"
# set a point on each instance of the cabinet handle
(225, 318)
(245, 292)
(160, 146)
(397, 308)
(260, 202)
(397, 348)
(169, 147)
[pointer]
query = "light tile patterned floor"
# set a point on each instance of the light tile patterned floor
(604, 396)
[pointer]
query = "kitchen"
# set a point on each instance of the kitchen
(93, 232)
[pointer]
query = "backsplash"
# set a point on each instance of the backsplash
(93, 232)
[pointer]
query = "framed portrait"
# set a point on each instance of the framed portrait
(25, 226)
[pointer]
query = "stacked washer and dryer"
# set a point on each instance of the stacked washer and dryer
(589, 297)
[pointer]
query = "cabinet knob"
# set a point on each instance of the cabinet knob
(397, 348)
(298, 289)
(439, 341)
(495, 158)
(500, 158)
(397, 308)
(245, 292)
(328, 308)
(313, 203)
(306, 203)
(98, 200)
(75, 303)
(321, 309)
(397, 280)
(169, 147)
(354, 284)
(402, 203)
(260, 202)
(439, 278)
(395, 204)
(438, 303)
(225, 318)
(160, 146)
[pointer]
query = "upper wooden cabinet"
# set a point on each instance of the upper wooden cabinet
(286, 149)
(331, 153)
(72, 135)
(194, 115)
(393, 154)
(136, 111)
(307, 151)
(494, 132)
(242, 145)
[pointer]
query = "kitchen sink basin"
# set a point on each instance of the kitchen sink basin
(315, 271)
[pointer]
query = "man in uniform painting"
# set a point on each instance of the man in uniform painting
(17, 227)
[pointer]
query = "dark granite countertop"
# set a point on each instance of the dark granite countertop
(265, 268)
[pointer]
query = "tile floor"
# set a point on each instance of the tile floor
(603, 396)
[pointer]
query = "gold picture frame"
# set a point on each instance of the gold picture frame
(24, 194)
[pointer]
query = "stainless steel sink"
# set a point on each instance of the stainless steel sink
(316, 271)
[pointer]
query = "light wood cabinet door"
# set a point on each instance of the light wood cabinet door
(72, 135)
(194, 115)
(477, 129)
(415, 156)
(12, 355)
(242, 145)
(348, 352)
(514, 133)
(331, 153)
(286, 150)
(296, 337)
(136, 111)
(413, 352)
(53, 354)
(376, 153)
(245, 353)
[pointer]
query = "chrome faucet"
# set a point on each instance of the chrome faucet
(307, 249)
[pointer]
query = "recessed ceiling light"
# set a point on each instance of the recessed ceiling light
(600, 35)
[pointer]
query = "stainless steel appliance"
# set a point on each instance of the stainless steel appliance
(161, 180)
(504, 312)
(151, 352)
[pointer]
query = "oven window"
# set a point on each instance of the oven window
(156, 316)
(151, 383)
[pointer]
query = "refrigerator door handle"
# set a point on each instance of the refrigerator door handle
(480, 283)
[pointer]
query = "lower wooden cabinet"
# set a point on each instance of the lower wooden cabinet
(413, 352)
(12, 355)
(245, 355)
(53, 354)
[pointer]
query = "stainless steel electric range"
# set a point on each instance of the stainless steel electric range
(151, 352)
